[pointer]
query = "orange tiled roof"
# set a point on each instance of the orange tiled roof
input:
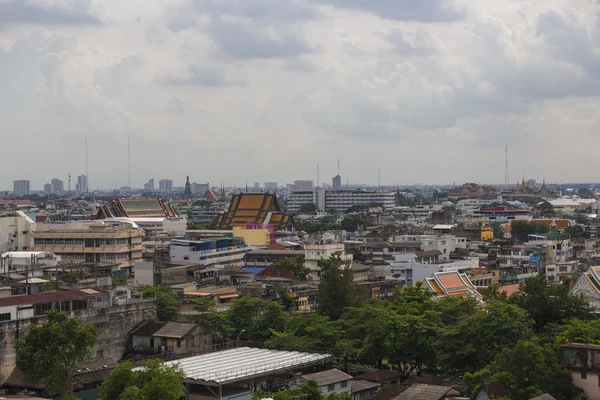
(137, 208)
(256, 208)
(453, 283)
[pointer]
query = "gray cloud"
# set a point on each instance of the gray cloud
(202, 76)
(73, 12)
(404, 10)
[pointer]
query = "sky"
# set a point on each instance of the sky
(239, 91)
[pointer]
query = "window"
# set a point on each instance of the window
(178, 342)
(331, 388)
(186, 258)
(6, 317)
(345, 384)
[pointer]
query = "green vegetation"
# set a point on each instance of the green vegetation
(308, 208)
(522, 229)
(167, 305)
(51, 353)
(337, 289)
(353, 222)
(316, 227)
(154, 381)
(308, 391)
(297, 268)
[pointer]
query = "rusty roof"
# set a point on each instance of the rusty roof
(50, 296)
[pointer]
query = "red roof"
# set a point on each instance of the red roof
(48, 297)
(275, 272)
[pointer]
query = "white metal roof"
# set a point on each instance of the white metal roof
(23, 254)
(34, 280)
(243, 363)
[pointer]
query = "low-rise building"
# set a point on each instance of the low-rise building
(98, 241)
(32, 263)
(221, 251)
(15, 231)
(255, 235)
(154, 337)
(264, 258)
(556, 273)
(331, 381)
(313, 253)
(583, 361)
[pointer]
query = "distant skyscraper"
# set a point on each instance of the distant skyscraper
(532, 183)
(303, 185)
(47, 188)
(165, 184)
(271, 186)
(82, 185)
(149, 185)
(57, 186)
(337, 182)
(21, 187)
(256, 186)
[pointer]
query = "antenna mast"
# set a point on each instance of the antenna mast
(506, 177)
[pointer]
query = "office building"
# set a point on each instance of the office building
(149, 185)
(47, 188)
(271, 186)
(256, 186)
(303, 185)
(336, 182)
(21, 187)
(82, 184)
(118, 242)
(221, 251)
(339, 200)
(165, 184)
(57, 186)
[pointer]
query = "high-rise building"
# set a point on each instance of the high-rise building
(47, 188)
(256, 186)
(21, 187)
(303, 185)
(271, 186)
(82, 184)
(340, 200)
(57, 186)
(165, 184)
(149, 185)
(337, 182)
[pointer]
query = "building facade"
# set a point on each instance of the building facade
(82, 184)
(21, 187)
(165, 184)
(340, 200)
(222, 251)
(119, 242)
(313, 253)
(15, 231)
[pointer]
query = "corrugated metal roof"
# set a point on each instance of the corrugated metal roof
(543, 397)
(49, 296)
(175, 330)
(243, 363)
(328, 377)
(359, 385)
(424, 392)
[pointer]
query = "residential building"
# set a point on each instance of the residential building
(155, 337)
(31, 263)
(98, 241)
(271, 186)
(363, 390)
(57, 186)
(445, 244)
(15, 231)
(428, 392)
(21, 187)
(149, 185)
(47, 188)
(264, 258)
(255, 208)
(336, 182)
(331, 381)
(408, 269)
(339, 200)
(82, 184)
(255, 235)
(313, 253)
(559, 247)
(165, 184)
(221, 251)
(556, 273)
(583, 361)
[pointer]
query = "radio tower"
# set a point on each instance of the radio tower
(506, 177)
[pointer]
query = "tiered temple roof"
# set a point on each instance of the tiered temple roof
(137, 208)
(453, 283)
(255, 208)
(588, 286)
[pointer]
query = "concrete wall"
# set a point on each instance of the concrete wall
(590, 384)
(113, 325)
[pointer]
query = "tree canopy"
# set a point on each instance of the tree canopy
(167, 306)
(307, 391)
(337, 289)
(154, 381)
(52, 352)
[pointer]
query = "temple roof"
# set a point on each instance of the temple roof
(136, 208)
(452, 283)
(255, 208)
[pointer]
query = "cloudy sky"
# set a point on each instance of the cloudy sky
(264, 90)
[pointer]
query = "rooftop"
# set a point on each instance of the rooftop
(48, 297)
(243, 363)
(328, 377)
(175, 330)
(381, 375)
(420, 391)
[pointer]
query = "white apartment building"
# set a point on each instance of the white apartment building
(340, 200)
(446, 244)
(30, 262)
(313, 253)
(15, 231)
(559, 248)
(408, 269)
(221, 251)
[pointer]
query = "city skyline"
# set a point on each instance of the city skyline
(427, 91)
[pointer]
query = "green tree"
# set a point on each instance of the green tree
(521, 230)
(526, 370)
(308, 208)
(337, 289)
(154, 381)
(578, 331)
(297, 267)
(545, 209)
(358, 255)
(166, 303)
(353, 222)
(306, 332)
(497, 229)
(307, 391)
(51, 353)
(548, 303)
(253, 318)
(577, 232)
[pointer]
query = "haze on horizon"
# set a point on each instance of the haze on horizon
(262, 90)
